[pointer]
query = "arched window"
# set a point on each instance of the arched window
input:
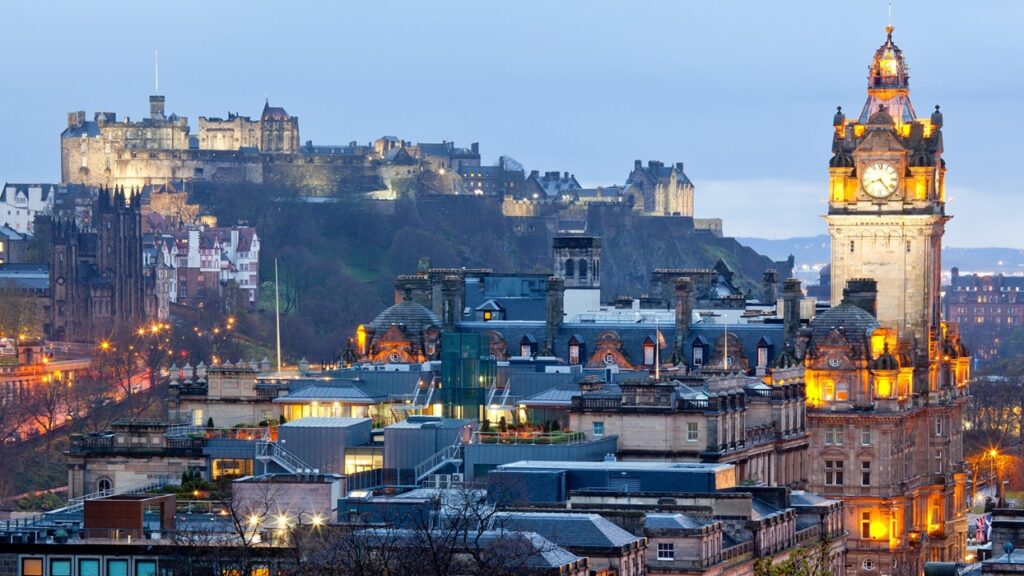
(104, 485)
(570, 268)
(583, 269)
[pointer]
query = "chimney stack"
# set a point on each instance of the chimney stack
(637, 164)
(684, 310)
(770, 284)
(452, 289)
(863, 293)
(791, 296)
(555, 291)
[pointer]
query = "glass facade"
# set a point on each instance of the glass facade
(468, 370)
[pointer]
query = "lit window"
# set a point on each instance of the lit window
(598, 428)
(666, 551)
(649, 354)
(574, 354)
(762, 356)
(692, 431)
(487, 315)
(32, 567)
(842, 391)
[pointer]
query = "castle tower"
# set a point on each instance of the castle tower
(886, 213)
(578, 262)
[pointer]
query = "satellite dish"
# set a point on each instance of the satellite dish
(1008, 548)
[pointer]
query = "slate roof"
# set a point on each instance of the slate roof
(762, 509)
(327, 393)
(543, 554)
(552, 397)
(672, 522)
(11, 234)
(855, 322)
(413, 317)
(632, 335)
(10, 187)
(568, 529)
(24, 276)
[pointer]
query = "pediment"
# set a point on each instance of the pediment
(880, 140)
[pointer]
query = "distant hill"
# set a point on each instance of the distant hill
(812, 252)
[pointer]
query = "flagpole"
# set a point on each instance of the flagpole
(725, 355)
(657, 351)
(277, 315)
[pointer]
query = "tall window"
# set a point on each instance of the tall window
(649, 354)
(574, 354)
(842, 391)
(570, 268)
(833, 472)
(865, 473)
(666, 551)
(938, 461)
(938, 425)
(865, 436)
(692, 431)
(698, 356)
(834, 435)
(583, 269)
(762, 356)
(865, 525)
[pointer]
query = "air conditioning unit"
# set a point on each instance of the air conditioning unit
(457, 478)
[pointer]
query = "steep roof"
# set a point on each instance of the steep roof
(855, 323)
(568, 529)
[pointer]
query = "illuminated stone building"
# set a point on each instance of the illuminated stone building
(661, 190)
(886, 379)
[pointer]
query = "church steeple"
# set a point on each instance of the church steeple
(889, 83)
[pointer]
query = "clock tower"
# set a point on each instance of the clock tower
(886, 210)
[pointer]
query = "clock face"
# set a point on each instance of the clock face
(880, 179)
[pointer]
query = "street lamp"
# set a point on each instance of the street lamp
(993, 454)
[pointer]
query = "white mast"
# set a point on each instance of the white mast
(725, 354)
(657, 350)
(277, 306)
(156, 71)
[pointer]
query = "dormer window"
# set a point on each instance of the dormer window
(649, 353)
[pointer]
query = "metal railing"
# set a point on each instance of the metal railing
(267, 451)
(512, 437)
(445, 455)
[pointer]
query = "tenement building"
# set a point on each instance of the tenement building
(886, 379)
(987, 308)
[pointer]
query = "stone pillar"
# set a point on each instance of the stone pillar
(555, 291)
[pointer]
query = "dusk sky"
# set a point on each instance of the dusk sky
(743, 92)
